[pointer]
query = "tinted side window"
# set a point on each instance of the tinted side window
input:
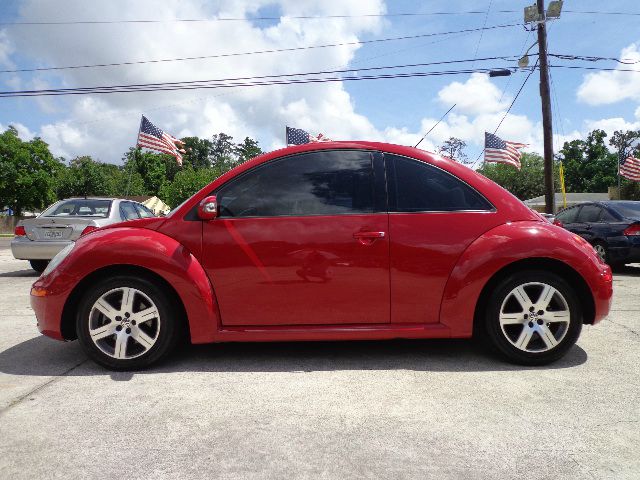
(607, 216)
(417, 187)
(569, 215)
(127, 211)
(315, 183)
(143, 211)
(589, 213)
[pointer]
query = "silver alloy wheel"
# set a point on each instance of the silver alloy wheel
(601, 251)
(124, 323)
(534, 317)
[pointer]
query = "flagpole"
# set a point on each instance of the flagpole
(619, 191)
(133, 159)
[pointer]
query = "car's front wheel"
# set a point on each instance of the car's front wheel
(126, 323)
(533, 317)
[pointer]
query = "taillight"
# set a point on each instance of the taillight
(632, 230)
(20, 232)
(558, 223)
(89, 229)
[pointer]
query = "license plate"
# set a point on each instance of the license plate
(52, 234)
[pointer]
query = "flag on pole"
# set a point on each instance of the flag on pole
(630, 168)
(151, 137)
(501, 151)
(297, 136)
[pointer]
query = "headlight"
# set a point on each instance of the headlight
(55, 261)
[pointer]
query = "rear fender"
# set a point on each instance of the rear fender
(498, 248)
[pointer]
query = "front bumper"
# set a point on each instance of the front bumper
(25, 249)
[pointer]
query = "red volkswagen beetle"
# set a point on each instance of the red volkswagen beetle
(330, 241)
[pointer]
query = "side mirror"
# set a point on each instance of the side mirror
(208, 208)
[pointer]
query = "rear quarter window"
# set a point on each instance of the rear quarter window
(415, 186)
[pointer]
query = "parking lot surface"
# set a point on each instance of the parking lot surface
(400, 409)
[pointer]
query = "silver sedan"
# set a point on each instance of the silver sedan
(40, 239)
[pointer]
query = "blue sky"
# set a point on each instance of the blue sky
(396, 110)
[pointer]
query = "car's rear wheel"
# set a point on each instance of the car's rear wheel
(533, 317)
(126, 323)
(39, 265)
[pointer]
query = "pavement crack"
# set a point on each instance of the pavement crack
(41, 386)
(625, 327)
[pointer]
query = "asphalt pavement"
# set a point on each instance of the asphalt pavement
(399, 409)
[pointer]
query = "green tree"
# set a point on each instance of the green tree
(155, 169)
(247, 150)
(199, 152)
(187, 182)
(526, 183)
(27, 172)
(223, 151)
(84, 177)
(589, 166)
(454, 149)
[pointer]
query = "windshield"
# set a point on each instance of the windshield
(79, 207)
(627, 209)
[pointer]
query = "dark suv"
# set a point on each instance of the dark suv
(612, 227)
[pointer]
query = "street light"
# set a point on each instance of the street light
(524, 61)
(554, 9)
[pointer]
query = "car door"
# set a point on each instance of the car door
(588, 217)
(301, 240)
(433, 218)
(567, 218)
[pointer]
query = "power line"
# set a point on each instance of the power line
(293, 17)
(588, 58)
(257, 52)
(246, 83)
(235, 79)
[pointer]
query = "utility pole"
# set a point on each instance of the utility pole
(547, 125)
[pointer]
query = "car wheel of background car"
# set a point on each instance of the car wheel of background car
(39, 265)
(126, 323)
(602, 251)
(533, 317)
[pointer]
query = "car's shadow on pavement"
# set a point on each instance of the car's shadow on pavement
(45, 357)
(20, 273)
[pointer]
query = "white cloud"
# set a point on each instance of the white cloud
(475, 96)
(609, 87)
(105, 125)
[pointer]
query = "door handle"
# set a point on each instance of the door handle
(367, 238)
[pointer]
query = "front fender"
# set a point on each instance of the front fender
(509, 243)
(148, 249)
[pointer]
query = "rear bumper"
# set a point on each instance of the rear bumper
(25, 249)
(627, 250)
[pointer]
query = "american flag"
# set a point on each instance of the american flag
(630, 168)
(297, 136)
(501, 151)
(150, 136)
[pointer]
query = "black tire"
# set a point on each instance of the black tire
(504, 339)
(39, 265)
(166, 322)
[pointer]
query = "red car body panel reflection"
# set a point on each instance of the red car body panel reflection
(412, 275)
(315, 273)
